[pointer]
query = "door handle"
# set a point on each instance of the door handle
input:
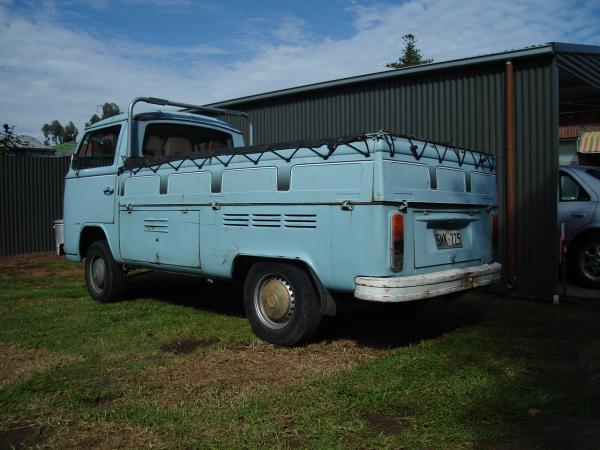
(108, 191)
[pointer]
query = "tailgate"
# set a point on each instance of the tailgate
(447, 237)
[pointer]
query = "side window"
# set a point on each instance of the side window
(571, 190)
(166, 139)
(97, 148)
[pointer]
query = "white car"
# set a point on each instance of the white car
(579, 210)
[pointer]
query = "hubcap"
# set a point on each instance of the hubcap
(98, 273)
(274, 301)
(589, 261)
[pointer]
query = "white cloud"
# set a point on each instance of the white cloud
(48, 71)
(290, 30)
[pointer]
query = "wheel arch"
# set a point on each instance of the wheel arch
(582, 235)
(242, 263)
(90, 233)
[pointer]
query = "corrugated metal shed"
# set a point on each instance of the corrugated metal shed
(31, 195)
(462, 102)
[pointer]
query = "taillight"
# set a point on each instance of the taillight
(397, 236)
(494, 234)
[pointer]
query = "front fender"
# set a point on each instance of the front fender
(109, 232)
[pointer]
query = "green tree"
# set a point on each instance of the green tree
(71, 132)
(109, 109)
(95, 118)
(9, 140)
(53, 132)
(411, 55)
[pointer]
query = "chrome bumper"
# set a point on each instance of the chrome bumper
(418, 287)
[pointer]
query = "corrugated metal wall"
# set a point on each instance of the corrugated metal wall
(465, 107)
(536, 147)
(31, 195)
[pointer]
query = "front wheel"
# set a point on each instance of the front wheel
(104, 278)
(587, 261)
(281, 303)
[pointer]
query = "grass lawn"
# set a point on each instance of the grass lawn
(177, 366)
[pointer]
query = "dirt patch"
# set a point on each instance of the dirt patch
(188, 346)
(105, 403)
(294, 442)
(38, 265)
(21, 436)
(76, 269)
(9, 261)
(103, 435)
(18, 363)
(242, 368)
(385, 424)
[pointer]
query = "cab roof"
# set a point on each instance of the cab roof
(166, 115)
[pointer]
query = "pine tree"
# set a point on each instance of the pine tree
(411, 55)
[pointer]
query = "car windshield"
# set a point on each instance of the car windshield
(595, 173)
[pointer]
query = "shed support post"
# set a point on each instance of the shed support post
(511, 178)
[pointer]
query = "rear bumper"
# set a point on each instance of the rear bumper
(418, 287)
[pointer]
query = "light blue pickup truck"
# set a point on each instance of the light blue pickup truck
(385, 217)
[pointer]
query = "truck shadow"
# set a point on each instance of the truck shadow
(367, 324)
(381, 326)
(186, 290)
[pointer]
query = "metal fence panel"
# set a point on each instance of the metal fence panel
(31, 195)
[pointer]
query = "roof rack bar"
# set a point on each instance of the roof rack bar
(188, 106)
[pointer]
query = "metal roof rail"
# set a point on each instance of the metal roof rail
(196, 109)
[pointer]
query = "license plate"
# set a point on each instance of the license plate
(447, 239)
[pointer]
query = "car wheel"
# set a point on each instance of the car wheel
(587, 261)
(104, 278)
(281, 303)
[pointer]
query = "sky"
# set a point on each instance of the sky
(60, 59)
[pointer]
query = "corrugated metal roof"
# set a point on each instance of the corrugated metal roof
(589, 142)
(528, 52)
(584, 66)
(31, 143)
(391, 74)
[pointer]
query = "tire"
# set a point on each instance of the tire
(585, 262)
(104, 278)
(282, 304)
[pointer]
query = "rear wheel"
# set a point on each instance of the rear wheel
(586, 258)
(281, 303)
(104, 278)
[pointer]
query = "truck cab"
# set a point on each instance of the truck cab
(92, 188)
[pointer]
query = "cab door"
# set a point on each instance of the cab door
(91, 183)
